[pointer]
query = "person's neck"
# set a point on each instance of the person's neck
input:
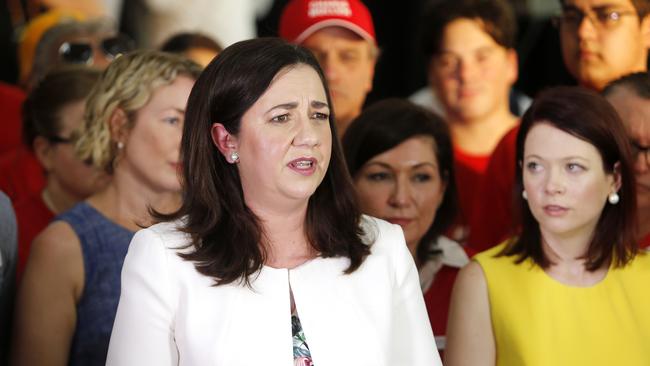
(57, 199)
(127, 201)
(343, 122)
(567, 252)
(481, 135)
(284, 235)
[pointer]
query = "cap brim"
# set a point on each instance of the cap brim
(335, 23)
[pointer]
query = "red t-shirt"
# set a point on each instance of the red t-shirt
(32, 216)
(645, 242)
(438, 297)
(22, 174)
(11, 101)
(468, 170)
(491, 220)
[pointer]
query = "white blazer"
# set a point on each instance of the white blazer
(170, 314)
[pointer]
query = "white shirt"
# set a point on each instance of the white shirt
(169, 314)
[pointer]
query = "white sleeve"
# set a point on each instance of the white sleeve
(413, 341)
(143, 332)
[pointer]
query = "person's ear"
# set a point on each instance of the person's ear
(225, 142)
(119, 126)
(43, 151)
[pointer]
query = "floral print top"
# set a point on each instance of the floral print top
(301, 354)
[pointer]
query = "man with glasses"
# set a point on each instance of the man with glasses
(630, 96)
(602, 41)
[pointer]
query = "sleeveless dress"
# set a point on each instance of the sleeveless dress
(103, 245)
(539, 321)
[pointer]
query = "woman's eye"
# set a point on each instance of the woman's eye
(377, 177)
(172, 120)
(422, 177)
(281, 118)
(532, 166)
(321, 116)
(573, 167)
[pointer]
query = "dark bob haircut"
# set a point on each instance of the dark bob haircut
(41, 110)
(588, 116)
(182, 42)
(226, 236)
(496, 17)
(390, 122)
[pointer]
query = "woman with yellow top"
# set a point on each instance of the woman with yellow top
(571, 288)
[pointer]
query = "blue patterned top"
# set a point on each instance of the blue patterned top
(103, 245)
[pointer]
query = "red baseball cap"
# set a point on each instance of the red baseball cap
(301, 18)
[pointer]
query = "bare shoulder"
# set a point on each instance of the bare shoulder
(472, 277)
(56, 251)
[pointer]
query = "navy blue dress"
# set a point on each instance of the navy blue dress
(103, 245)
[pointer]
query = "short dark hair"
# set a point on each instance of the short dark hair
(41, 110)
(496, 17)
(642, 7)
(638, 83)
(388, 123)
(182, 42)
(225, 233)
(588, 116)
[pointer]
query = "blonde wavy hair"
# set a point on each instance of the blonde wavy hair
(127, 84)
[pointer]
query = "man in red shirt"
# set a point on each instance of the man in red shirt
(472, 68)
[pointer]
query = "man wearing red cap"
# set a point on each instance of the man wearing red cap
(341, 35)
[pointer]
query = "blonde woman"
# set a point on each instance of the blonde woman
(71, 286)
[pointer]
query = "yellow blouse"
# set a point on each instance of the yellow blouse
(539, 321)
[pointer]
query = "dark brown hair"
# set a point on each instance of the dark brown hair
(586, 115)
(638, 83)
(642, 7)
(496, 17)
(225, 234)
(42, 109)
(388, 123)
(182, 42)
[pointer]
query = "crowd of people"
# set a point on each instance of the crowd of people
(188, 201)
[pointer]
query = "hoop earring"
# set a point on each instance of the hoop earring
(613, 198)
(234, 156)
(524, 195)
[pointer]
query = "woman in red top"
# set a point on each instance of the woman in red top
(401, 159)
(51, 112)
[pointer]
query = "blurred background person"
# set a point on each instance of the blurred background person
(473, 66)
(268, 237)
(195, 46)
(558, 292)
(132, 130)
(599, 44)
(151, 22)
(66, 40)
(53, 110)
(8, 258)
(341, 34)
(630, 96)
(401, 160)
(602, 43)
